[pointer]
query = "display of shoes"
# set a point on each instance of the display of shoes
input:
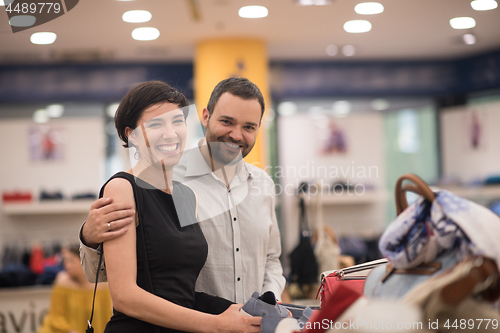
(84, 196)
(46, 195)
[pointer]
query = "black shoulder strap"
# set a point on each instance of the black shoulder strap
(90, 329)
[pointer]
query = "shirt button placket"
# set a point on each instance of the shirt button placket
(238, 262)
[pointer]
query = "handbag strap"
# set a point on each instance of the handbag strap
(340, 273)
(420, 187)
(90, 329)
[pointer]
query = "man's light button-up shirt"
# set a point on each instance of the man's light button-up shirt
(240, 226)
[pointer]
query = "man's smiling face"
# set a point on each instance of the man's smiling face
(232, 128)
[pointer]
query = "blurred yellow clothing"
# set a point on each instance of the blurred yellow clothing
(70, 309)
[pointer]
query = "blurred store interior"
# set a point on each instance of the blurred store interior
(405, 91)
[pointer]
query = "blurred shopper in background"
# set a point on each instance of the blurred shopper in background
(71, 300)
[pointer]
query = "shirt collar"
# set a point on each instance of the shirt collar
(197, 166)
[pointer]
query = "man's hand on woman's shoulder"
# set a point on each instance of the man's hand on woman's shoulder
(106, 221)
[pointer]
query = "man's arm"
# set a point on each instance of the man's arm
(273, 277)
(96, 230)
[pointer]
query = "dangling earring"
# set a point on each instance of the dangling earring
(137, 155)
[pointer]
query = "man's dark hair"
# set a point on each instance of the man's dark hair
(237, 86)
(140, 98)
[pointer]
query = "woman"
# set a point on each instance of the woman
(71, 296)
(153, 268)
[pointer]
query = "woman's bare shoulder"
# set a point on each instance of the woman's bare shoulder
(118, 188)
(118, 184)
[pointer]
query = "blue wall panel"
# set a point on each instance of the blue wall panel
(109, 82)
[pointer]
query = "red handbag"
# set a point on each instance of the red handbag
(353, 277)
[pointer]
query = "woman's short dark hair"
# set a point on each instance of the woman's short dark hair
(140, 98)
(237, 86)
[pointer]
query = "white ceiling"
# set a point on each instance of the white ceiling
(407, 29)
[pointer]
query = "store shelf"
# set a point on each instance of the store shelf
(47, 208)
(368, 197)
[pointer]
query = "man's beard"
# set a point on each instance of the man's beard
(220, 153)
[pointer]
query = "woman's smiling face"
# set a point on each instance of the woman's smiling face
(160, 134)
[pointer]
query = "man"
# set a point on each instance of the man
(236, 201)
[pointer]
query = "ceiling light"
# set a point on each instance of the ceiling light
(348, 50)
(357, 26)
(55, 110)
(369, 8)
(379, 104)
(22, 20)
(469, 39)
(253, 12)
(40, 116)
(484, 4)
(462, 23)
(332, 50)
(137, 16)
(341, 107)
(287, 109)
(43, 38)
(313, 2)
(145, 33)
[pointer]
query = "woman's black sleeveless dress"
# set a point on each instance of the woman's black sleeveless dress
(175, 254)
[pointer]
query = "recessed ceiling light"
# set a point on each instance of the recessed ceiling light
(462, 23)
(137, 16)
(253, 12)
(357, 26)
(469, 39)
(332, 50)
(40, 116)
(43, 38)
(484, 4)
(22, 20)
(145, 33)
(369, 8)
(55, 110)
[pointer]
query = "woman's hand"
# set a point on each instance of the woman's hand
(233, 321)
